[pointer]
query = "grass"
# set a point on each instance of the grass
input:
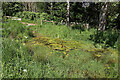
(54, 51)
(28, 21)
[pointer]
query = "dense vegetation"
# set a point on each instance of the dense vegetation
(55, 50)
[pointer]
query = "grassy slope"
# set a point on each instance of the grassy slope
(58, 51)
(84, 52)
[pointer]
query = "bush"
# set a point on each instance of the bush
(16, 30)
(28, 15)
(107, 38)
(81, 27)
(38, 16)
(34, 16)
(44, 16)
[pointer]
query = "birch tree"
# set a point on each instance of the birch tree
(102, 17)
(51, 7)
(68, 12)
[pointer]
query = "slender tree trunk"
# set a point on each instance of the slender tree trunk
(29, 6)
(51, 7)
(102, 17)
(68, 13)
(32, 6)
(35, 8)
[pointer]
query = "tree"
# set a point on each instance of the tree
(102, 17)
(59, 11)
(51, 8)
(42, 6)
(68, 13)
(11, 8)
(30, 6)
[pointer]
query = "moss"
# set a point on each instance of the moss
(66, 46)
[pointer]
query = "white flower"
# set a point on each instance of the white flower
(25, 36)
(25, 70)
(19, 19)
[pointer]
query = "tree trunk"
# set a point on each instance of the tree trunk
(35, 7)
(102, 17)
(68, 12)
(51, 8)
(32, 6)
(29, 6)
(118, 18)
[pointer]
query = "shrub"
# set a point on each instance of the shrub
(28, 15)
(16, 30)
(107, 38)
(44, 16)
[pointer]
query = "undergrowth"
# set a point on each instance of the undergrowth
(54, 51)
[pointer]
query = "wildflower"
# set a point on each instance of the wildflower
(25, 70)
(67, 55)
(108, 67)
(23, 43)
(64, 52)
(25, 36)
(98, 55)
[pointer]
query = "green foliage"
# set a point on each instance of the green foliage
(42, 6)
(80, 27)
(5, 19)
(55, 51)
(107, 38)
(44, 16)
(59, 11)
(15, 59)
(16, 30)
(10, 9)
(113, 15)
(118, 44)
(41, 53)
(77, 12)
(30, 21)
(28, 15)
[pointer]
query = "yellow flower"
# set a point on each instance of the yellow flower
(23, 43)
(64, 52)
(108, 67)
(67, 50)
(67, 55)
(98, 55)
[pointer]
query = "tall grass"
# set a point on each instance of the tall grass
(35, 58)
(63, 32)
(16, 30)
